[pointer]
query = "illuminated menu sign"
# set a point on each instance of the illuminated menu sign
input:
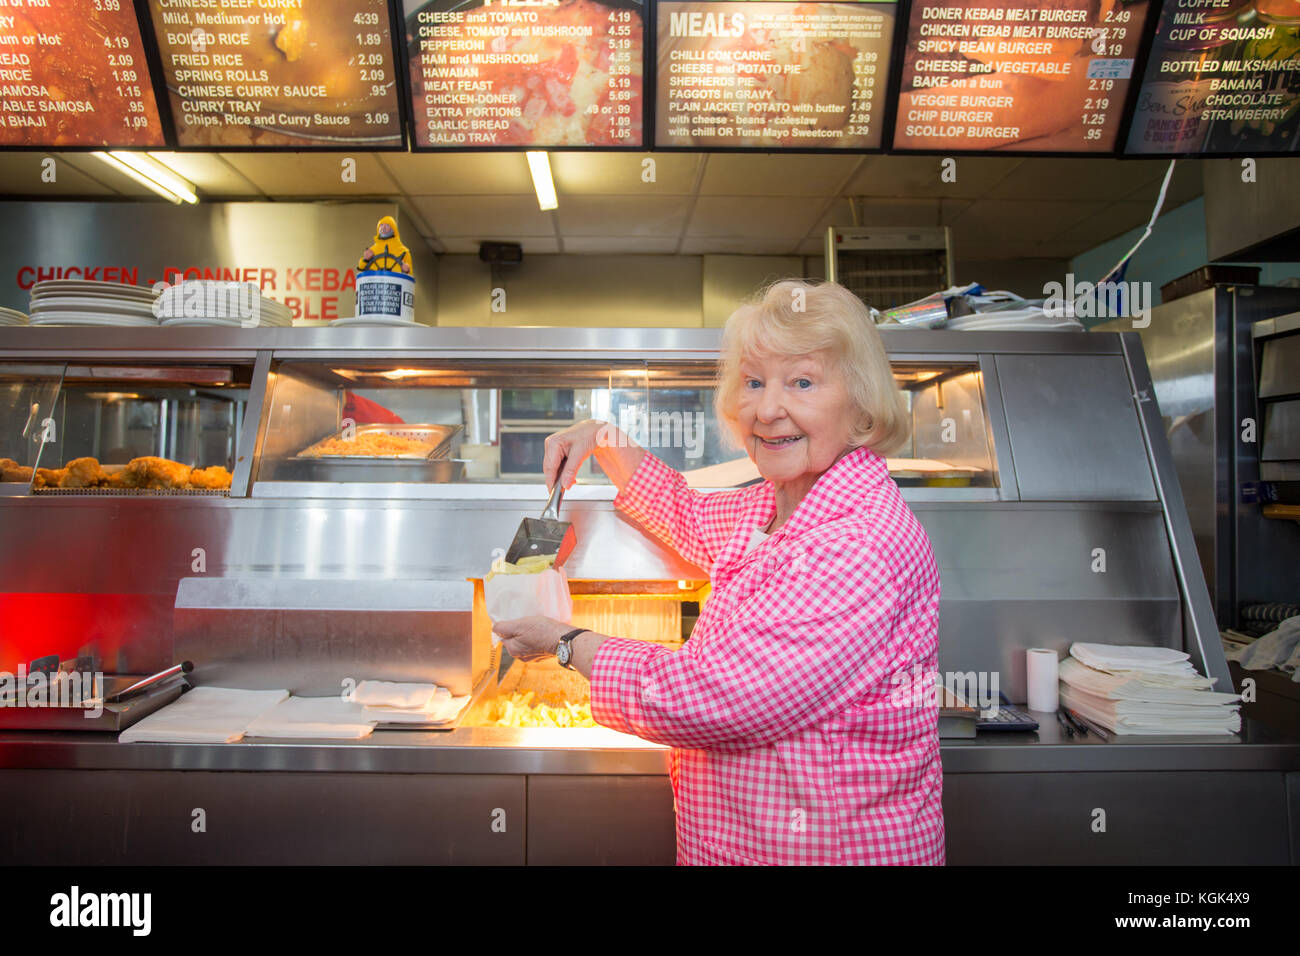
(1223, 77)
(533, 73)
(293, 73)
(1021, 75)
(757, 74)
(73, 73)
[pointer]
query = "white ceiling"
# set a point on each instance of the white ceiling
(764, 204)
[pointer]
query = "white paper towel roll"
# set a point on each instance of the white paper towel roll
(1041, 668)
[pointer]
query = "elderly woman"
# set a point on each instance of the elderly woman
(791, 741)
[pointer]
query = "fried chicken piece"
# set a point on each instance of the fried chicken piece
(118, 479)
(214, 477)
(49, 477)
(83, 473)
(10, 470)
(157, 473)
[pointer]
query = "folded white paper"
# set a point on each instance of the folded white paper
(316, 718)
(204, 715)
(382, 693)
(1120, 687)
(441, 710)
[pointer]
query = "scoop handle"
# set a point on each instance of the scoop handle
(552, 510)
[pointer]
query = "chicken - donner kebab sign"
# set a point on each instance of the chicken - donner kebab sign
(1024, 75)
(755, 74)
(526, 72)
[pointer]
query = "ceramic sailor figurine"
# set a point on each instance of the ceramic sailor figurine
(386, 253)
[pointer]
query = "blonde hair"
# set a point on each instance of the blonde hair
(797, 317)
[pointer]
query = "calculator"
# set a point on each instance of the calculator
(1007, 718)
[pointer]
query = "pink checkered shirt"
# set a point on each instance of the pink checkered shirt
(792, 742)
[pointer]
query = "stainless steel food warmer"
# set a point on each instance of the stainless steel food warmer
(1038, 467)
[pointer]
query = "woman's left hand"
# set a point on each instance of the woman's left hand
(531, 638)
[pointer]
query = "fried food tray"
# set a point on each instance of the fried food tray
(438, 436)
(435, 467)
(136, 492)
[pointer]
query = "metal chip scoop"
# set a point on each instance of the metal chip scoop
(544, 535)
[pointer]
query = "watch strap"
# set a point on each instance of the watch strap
(567, 661)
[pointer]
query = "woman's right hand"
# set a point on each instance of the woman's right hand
(566, 450)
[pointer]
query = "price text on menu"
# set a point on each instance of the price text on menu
(755, 74)
(279, 72)
(526, 72)
(1027, 75)
(73, 73)
(1223, 77)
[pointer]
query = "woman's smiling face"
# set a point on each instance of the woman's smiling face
(795, 415)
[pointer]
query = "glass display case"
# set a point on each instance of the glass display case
(354, 426)
(112, 428)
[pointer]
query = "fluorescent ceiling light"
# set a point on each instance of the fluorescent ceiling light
(540, 167)
(151, 174)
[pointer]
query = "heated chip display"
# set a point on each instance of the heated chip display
(558, 74)
(73, 73)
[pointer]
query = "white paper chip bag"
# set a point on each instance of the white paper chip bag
(509, 596)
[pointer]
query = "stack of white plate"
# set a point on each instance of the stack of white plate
(12, 317)
(1020, 320)
(87, 302)
(375, 321)
(212, 304)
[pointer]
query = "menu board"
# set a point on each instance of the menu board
(1223, 77)
(757, 74)
(526, 73)
(1018, 75)
(73, 73)
(295, 73)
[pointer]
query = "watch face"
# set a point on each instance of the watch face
(563, 653)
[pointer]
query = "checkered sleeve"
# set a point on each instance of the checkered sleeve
(694, 524)
(815, 638)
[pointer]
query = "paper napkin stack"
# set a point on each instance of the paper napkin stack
(1144, 690)
(394, 703)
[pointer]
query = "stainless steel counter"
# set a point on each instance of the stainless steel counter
(492, 750)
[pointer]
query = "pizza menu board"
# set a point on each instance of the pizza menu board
(73, 73)
(526, 73)
(1223, 77)
(757, 74)
(1020, 75)
(295, 73)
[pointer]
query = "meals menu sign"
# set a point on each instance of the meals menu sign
(763, 75)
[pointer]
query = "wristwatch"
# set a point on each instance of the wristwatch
(564, 651)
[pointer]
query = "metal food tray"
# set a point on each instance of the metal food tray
(113, 717)
(439, 436)
(135, 492)
(434, 468)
